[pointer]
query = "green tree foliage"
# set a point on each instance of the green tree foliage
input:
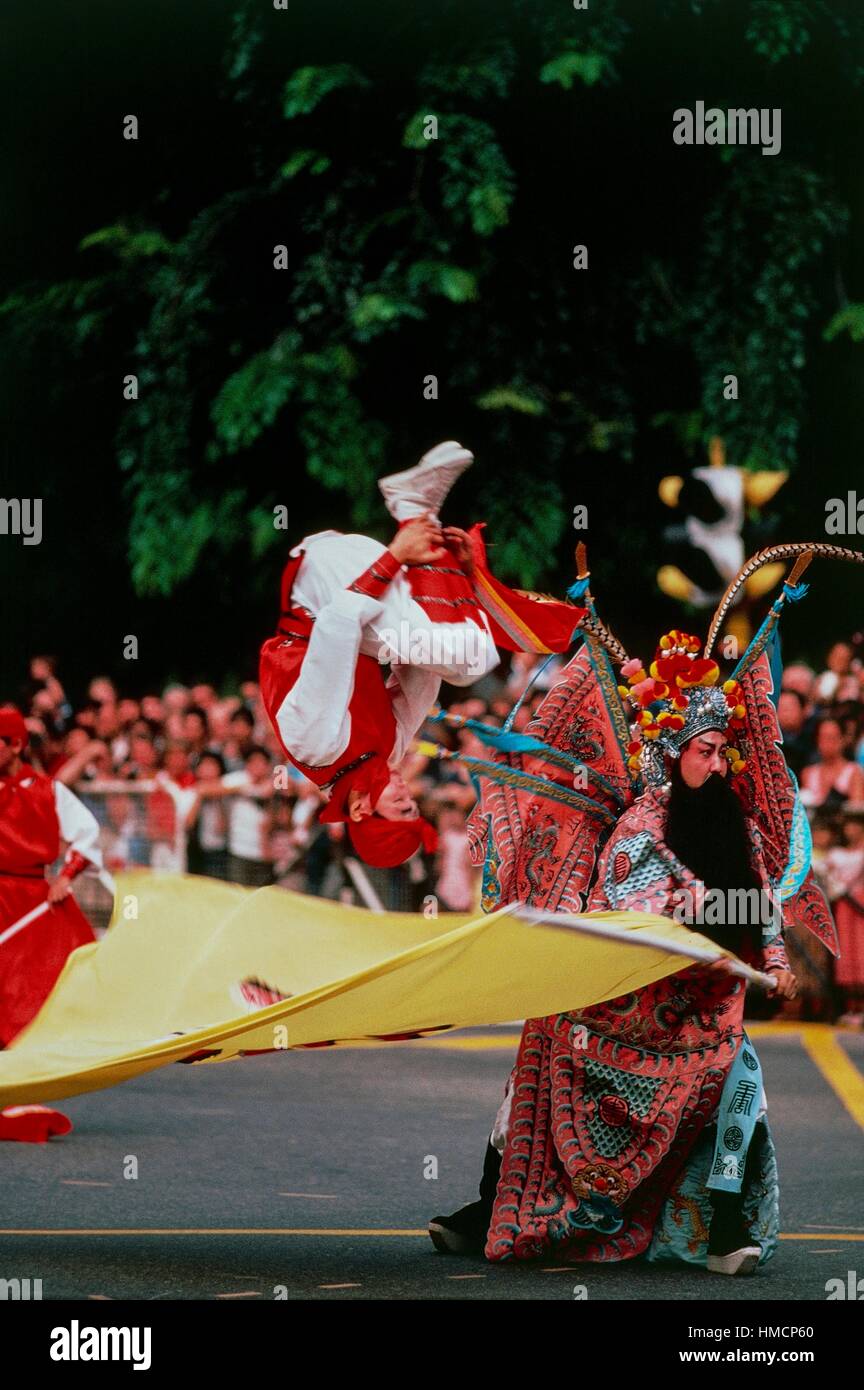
(430, 202)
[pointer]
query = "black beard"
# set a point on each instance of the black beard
(706, 829)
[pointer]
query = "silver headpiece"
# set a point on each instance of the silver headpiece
(707, 709)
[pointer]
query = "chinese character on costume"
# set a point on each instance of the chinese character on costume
(350, 605)
(36, 815)
(639, 1126)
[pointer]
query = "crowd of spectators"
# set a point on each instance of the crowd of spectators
(193, 779)
(190, 779)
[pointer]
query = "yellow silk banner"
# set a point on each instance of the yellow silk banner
(197, 969)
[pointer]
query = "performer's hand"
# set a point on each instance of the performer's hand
(419, 542)
(785, 984)
(460, 546)
(60, 889)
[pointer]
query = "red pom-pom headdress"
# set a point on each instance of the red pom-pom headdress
(676, 699)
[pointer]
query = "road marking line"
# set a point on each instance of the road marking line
(839, 1071)
(836, 1235)
(373, 1232)
(312, 1196)
(252, 1293)
(340, 1286)
(480, 1042)
(784, 1026)
(477, 1044)
(83, 1182)
(212, 1231)
(815, 1226)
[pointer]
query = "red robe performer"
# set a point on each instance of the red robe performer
(36, 814)
(429, 608)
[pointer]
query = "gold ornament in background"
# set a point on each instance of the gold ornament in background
(757, 490)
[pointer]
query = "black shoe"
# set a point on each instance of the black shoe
(742, 1260)
(464, 1233)
(731, 1248)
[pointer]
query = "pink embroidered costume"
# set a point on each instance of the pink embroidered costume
(638, 1126)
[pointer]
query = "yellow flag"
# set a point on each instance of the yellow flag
(197, 969)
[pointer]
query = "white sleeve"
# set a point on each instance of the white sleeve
(78, 826)
(401, 632)
(404, 634)
(314, 720)
(415, 693)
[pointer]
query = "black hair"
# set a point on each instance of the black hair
(802, 699)
(707, 830)
(215, 755)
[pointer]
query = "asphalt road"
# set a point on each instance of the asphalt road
(306, 1176)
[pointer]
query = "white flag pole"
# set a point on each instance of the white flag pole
(104, 878)
(24, 921)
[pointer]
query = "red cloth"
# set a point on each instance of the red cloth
(374, 580)
(443, 590)
(386, 843)
(521, 622)
(373, 724)
(32, 959)
(32, 1124)
(446, 593)
(12, 725)
(849, 916)
(379, 842)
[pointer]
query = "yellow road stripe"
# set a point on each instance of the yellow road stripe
(835, 1235)
(216, 1231)
(312, 1196)
(313, 1231)
(475, 1044)
(782, 1026)
(482, 1041)
(839, 1071)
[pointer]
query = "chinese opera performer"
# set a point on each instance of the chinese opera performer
(639, 1126)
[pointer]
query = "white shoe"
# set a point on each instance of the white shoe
(743, 1261)
(423, 488)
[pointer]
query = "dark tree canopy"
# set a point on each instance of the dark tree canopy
(410, 258)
